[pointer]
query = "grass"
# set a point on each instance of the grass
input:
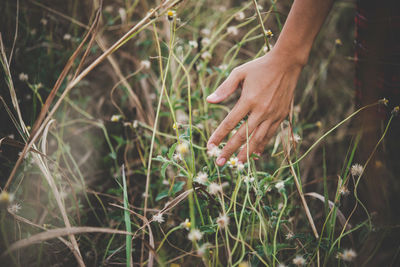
(109, 138)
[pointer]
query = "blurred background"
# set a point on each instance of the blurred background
(104, 121)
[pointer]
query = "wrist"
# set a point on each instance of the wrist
(295, 53)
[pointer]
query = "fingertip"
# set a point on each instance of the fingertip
(210, 145)
(221, 161)
(213, 98)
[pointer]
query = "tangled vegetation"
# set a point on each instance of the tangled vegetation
(104, 158)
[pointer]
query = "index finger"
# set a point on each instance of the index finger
(229, 123)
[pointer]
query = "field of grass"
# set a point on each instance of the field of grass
(104, 125)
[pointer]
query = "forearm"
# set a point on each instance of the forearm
(302, 26)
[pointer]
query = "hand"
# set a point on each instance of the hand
(268, 85)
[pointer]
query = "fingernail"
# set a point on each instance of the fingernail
(212, 97)
(210, 146)
(221, 161)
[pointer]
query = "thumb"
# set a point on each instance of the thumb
(227, 87)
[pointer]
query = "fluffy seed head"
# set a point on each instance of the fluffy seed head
(280, 185)
(182, 148)
(240, 16)
(23, 77)
(347, 255)
(158, 218)
(214, 151)
(195, 235)
(145, 64)
(193, 44)
(299, 260)
(223, 220)
(206, 55)
(357, 169)
(232, 30)
(205, 41)
(214, 188)
(201, 178)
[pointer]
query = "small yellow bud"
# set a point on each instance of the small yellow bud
(338, 42)
(171, 14)
(5, 198)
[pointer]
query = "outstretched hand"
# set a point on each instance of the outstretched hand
(268, 85)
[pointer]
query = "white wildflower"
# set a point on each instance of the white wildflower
(182, 148)
(240, 166)
(240, 16)
(186, 224)
(281, 265)
(347, 255)
(145, 64)
(23, 77)
(299, 260)
(296, 138)
(223, 220)
(206, 55)
(201, 178)
(195, 235)
(115, 118)
(171, 14)
(15, 208)
(232, 30)
(158, 218)
(67, 37)
(280, 185)
(289, 235)
(269, 33)
(214, 188)
(135, 124)
(165, 182)
(357, 169)
(233, 162)
(193, 44)
(214, 151)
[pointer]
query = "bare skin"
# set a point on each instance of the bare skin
(268, 83)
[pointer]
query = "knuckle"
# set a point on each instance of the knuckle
(241, 136)
(228, 124)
